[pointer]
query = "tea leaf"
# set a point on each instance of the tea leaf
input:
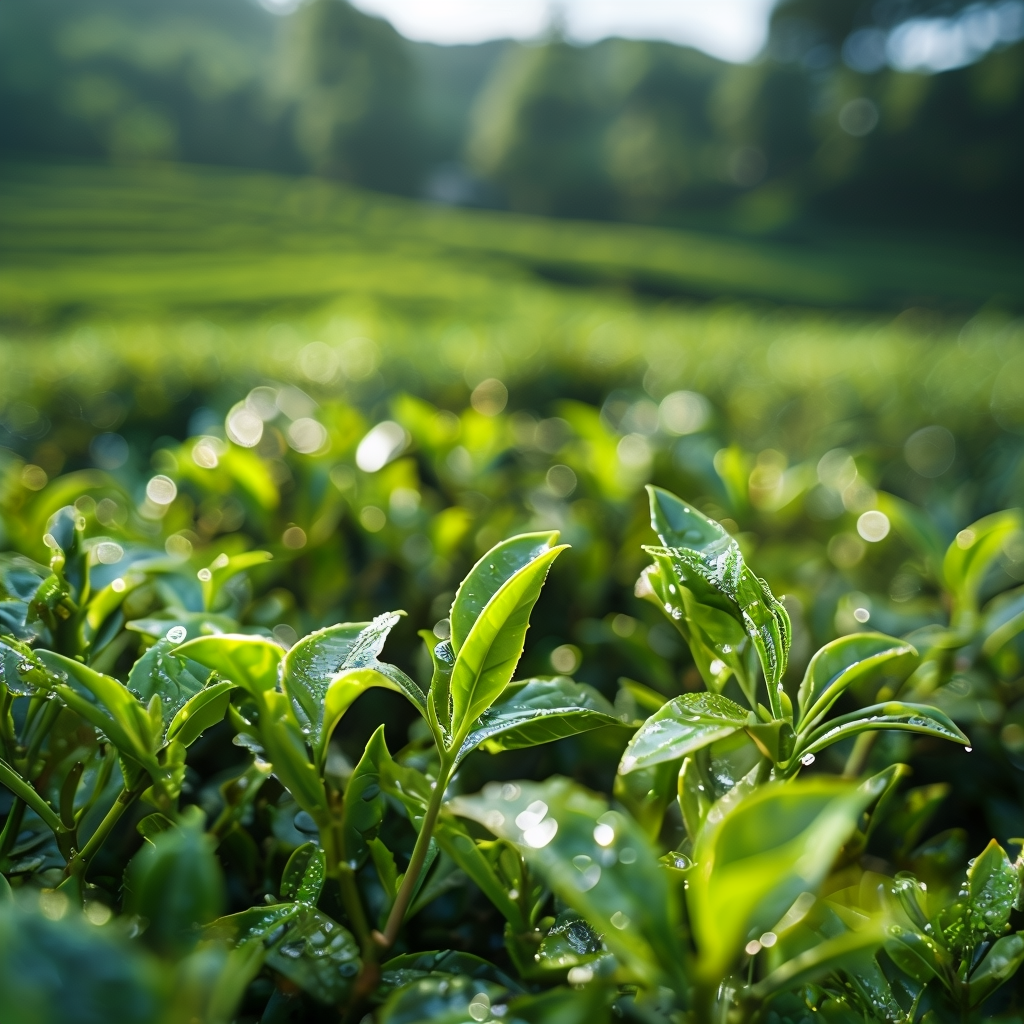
(755, 855)
(851, 660)
(486, 660)
(682, 726)
(488, 576)
(251, 662)
(917, 718)
(538, 711)
(597, 860)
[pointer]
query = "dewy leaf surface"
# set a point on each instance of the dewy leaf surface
(486, 661)
(705, 559)
(364, 801)
(597, 860)
(498, 566)
(311, 663)
(756, 854)
(856, 659)
(993, 887)
(683, 725)
(325, 673)
(251, 662)
(894, 714)
(539, 711)
(160, 671)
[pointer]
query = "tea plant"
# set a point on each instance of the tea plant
(729, 879)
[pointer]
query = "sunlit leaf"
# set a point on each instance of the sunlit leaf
(757, 854)
(683, 725)
(200, 712)
(916, 718)
(702, 557)
(251, 662)
(486, 660)
(487, 577)
(853, 660)
(597, 860)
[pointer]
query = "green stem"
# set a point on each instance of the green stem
(354, 908)
(12, 828)
(334, 851)
(7, 737)
(49, 716)
(419, 855)
(21, 789)
(79, 862)
(859, 755)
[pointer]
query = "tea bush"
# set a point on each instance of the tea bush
(276, 743)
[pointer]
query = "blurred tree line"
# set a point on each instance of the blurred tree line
(825, 127)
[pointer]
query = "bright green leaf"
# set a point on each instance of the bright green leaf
(486, 660)
(251, 662)
(917, 718)
(852, 660)
(682, 726)
(597, 860)
(755, 855)
(487, 577)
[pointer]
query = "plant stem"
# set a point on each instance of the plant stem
(859, 755)
(20, 788)
(43, 726)
(12, 828)
(419, 855)
(354, 906)
(79, 862)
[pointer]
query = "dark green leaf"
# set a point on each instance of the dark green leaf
(303, 877)
(161, 672)
(364, 801)
(1001, 963)
(993, 887)
(175, 883)
(306, 946)
(442, 658)
(410, 967)
(453, 838)
(539, 711)
(441, 1000)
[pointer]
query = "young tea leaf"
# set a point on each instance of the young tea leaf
(487, 577)
(486, 660)
(917, 718)
(682, 726)
(852, 660)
